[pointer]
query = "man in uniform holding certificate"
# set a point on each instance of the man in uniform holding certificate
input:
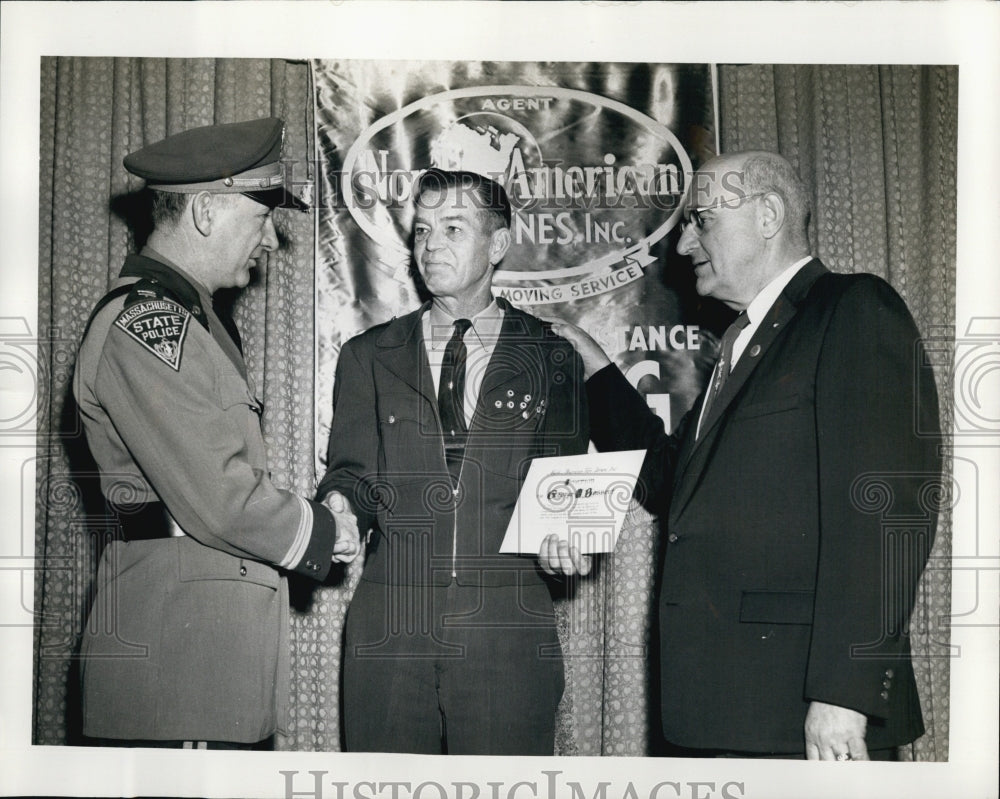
(450, 646)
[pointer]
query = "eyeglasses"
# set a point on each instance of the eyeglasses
(696, 219)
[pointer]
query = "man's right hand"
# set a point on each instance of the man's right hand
(593, 357)
(348, 543)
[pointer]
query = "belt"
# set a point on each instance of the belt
(145, 522)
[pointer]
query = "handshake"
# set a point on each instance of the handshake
(348, 543)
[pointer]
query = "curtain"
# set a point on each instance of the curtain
(877, 144)
(93, 112)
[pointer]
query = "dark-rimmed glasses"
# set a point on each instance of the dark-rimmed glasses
(696, 220)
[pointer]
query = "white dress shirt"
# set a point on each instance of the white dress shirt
(761, 304)
(480, 342)
(755, 311)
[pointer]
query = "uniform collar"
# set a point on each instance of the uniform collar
(153, 266)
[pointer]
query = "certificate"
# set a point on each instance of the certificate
(580, 498)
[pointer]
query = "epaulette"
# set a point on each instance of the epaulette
(157, 320)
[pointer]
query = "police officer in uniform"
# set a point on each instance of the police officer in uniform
(188, 644)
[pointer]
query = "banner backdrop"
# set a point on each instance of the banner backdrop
(596, 159)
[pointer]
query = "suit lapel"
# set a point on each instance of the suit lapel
(508, 359)
(401, 350)
(515, 359)
(771, 328)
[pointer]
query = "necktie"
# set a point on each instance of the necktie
(724, 364)
(451, 397)
(223, 311)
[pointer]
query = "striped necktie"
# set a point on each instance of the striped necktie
(724, 365)
(451, 397)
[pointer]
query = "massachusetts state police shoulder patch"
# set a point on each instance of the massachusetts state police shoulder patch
(158, 323)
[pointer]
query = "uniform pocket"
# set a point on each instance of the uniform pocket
(234, 391)
(197, 562)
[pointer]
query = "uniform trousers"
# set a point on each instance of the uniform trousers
(456, 669)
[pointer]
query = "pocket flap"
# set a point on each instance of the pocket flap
(234, 391)
(203, 563)
(766, 407)
(777, 607)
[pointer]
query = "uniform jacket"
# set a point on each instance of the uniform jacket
(188, 638)
(386, 449)
(798, 522)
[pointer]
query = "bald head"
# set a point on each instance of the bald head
(732, 176)
(748, 218)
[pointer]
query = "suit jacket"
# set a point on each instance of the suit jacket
(798, 522)
(188, 638)
(386, 450)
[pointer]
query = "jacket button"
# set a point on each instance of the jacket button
(887, 683)
(889, 673)
(243, 571)
(885, 695)
(672, 538)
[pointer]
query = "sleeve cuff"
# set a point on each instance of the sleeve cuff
(316, 556)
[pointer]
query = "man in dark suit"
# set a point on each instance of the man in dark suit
(451, 647)
(796, 494)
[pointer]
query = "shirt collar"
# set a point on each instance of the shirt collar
(766, 297)
(486, 325)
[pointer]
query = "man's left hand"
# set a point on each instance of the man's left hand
(835, 733)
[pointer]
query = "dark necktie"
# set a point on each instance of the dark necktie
(725, 363)
(451, 397)
(224, 312)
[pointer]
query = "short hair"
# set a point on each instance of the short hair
(167, 207)
(488, 195)
(768, 172)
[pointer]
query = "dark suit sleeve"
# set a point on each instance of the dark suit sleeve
(876, 410)
(353, 447)
(620, 419)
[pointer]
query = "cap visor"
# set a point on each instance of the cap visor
(278, 198)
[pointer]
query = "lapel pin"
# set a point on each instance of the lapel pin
(755, 350)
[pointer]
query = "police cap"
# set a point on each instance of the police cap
(238, 158)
